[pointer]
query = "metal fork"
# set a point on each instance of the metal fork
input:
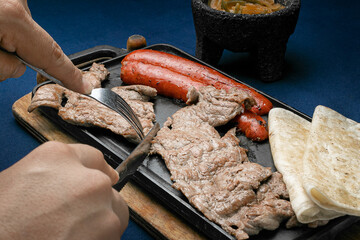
(112, 100)
(103, 95)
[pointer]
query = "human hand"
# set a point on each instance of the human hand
(61, 191)
(21, 34)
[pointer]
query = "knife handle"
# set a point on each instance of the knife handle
(120, 184)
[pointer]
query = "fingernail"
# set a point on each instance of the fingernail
(88, 87)
(19, 71)
(117, 177)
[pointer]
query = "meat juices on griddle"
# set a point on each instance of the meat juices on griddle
(79, 109)
(214, 173)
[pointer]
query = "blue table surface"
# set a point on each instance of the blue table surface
(322, 58)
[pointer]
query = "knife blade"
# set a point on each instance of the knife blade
(128, 167)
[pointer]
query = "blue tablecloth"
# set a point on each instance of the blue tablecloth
(322, 58)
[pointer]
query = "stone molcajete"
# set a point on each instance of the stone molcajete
(265, 36)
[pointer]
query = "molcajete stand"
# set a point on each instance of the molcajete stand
(265, 36)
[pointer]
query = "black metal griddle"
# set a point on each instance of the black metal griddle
(153, 174)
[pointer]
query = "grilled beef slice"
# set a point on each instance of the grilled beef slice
(214, 173)
(79, 109)
(96, 74)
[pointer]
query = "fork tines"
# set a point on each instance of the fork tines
(135, 122)
(118, 104)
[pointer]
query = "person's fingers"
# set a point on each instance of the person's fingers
(25, 4)
(10, 66)
(121, 209)
(31, 42)
(92, 158)
(49, 56)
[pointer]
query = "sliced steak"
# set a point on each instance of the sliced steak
(79, 109)
(96, 74)
(213, 172)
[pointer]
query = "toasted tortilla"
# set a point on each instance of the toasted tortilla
(288, 134)
(332, 162)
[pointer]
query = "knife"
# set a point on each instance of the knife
(128, 167)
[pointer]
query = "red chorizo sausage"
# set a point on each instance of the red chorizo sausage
(197, 72)
(253, 126)
(162, 72)
(165, 81)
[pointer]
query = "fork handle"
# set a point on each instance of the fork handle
(36, 69)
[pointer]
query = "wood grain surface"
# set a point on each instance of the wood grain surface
(144, 208)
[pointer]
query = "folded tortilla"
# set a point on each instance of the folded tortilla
(332, 162)
(288, 134)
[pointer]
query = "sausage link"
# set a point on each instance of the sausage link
(199, 73)
(253, 126)
(165, 81)
(172, 78)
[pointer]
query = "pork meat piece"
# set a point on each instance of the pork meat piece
(79, 109)
(96, 74)
(270, 208)
(213, 172)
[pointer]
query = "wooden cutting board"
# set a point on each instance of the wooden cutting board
(160, 222)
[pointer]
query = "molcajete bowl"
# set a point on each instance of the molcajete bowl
(265, 36)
